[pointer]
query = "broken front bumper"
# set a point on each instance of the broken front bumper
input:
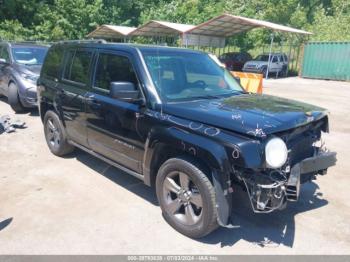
(270, 191)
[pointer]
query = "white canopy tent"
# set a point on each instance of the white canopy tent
(215, 31)
(217, 28)
(161, 28)
(111, 32)
(227, 25)
(212, 33)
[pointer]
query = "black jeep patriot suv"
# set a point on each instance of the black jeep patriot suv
(178, 121)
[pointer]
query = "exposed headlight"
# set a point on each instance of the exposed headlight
(276, 153)
(29, 77)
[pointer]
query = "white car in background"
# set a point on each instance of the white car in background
(278, 64)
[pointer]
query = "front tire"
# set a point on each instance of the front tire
(55, 135)
(13, 98)
(186, 197)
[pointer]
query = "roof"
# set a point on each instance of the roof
(161, 28)
(124, 46)
(111, 31)
(227, 25)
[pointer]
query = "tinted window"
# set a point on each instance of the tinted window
(77, 66)
(113, 68)
(274, 59)
(52, 63)
(247, 56)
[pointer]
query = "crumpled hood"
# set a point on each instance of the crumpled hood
(252, 114)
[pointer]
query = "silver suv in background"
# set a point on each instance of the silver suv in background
(278, 64)
(20, 65)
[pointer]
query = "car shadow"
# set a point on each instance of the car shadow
(5, 223)
(29, 111)
(116, 175)
(264, 230)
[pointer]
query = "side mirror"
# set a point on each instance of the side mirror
(3, 61)
(124, 91)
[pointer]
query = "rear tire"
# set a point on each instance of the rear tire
(186, 197)
(55, 135)
(13, 99)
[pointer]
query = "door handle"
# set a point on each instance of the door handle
(91, 100)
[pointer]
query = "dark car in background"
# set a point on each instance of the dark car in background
(178, 121)
(20, 65)
(235, 61)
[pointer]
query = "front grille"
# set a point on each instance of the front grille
(301, 148)
(300, 140)
(250, 66)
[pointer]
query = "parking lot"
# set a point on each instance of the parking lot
(81, 205)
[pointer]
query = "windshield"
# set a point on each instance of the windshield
(29, 55)
(262, 58)
(228, 56)
(180, 76)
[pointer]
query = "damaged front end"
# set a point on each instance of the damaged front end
(269, 189)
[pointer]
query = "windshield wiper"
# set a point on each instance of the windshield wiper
(206, 97)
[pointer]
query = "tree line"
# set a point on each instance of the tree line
(52, 20)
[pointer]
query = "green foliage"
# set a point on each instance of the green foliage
(13, 29)
(331, 28)
(52, 20)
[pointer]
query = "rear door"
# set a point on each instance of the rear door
(113, 124)
(72, 89)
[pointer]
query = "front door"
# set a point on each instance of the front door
(4, 65)
(71, 93)
(113, 124)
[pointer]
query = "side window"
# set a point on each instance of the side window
(5, 54)
(52, 64)
(113, 68)
(77, 66)
(274, 59)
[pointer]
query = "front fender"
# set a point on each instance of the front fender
(214, 155)
(198, 146)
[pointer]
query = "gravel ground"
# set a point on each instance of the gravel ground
(80, 205)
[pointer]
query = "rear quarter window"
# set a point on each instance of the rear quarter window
(52, 64)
